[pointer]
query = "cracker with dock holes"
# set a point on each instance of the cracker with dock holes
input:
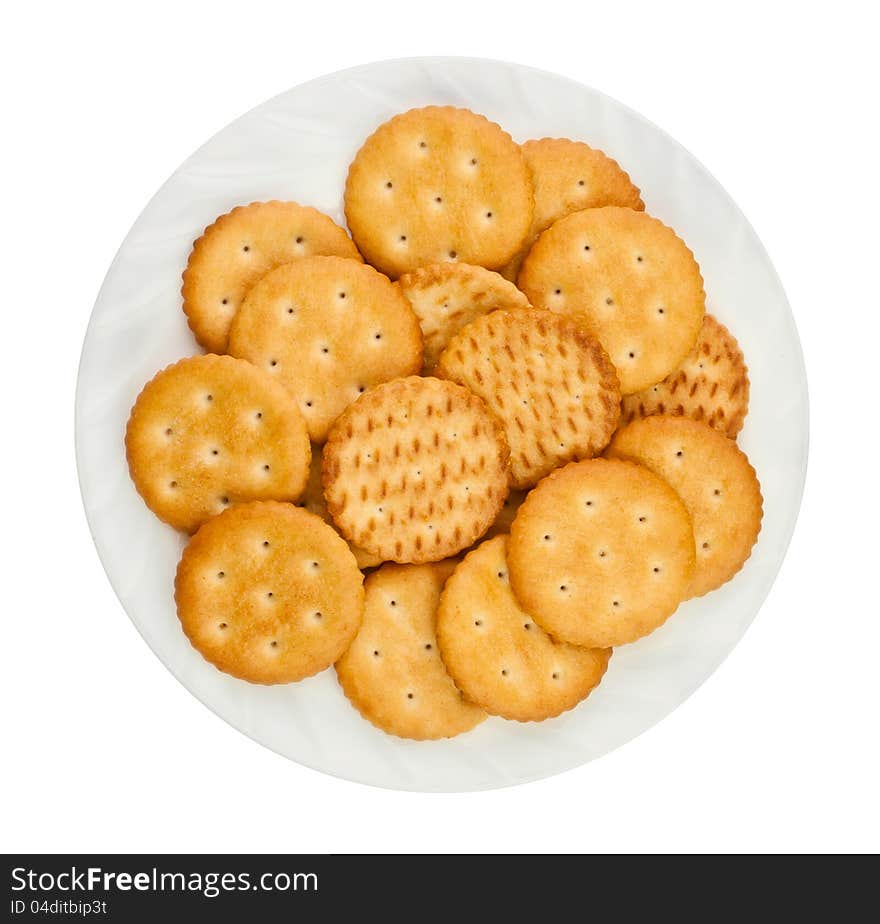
(446, 296)
(712, 385)
(313, 500)
(438, 184)
(415, 470)
(269, 593)
(569, 176)
(548, 381)
(239, 248)
(601, 553)
(328, 329)
(630, 279)
(715, 480)
(211, 431)
(392, 672)
(499, 657)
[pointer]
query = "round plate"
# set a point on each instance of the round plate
(298, 146)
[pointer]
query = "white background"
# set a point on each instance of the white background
(103, 750)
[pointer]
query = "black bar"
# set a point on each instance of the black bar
(306, 887)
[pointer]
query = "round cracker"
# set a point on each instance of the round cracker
(601, 553)
(499, 657)
(631, 280)
(415, 470)
(446, 296)
(392, 672)
(313, 500)
(715, 480)
(328, 329)
(269, 593)
(711, 385)
(550, 383)
(569, 176)
(239, 248)
(211, 431)
(438, 184)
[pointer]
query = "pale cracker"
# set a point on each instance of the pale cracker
(328, 329)
(715, 480)
(712, 385)
(569, 176)
(548, 381)
(446, 296)
(211, 431)
(313, 500)
(499, 657)
(438, 184)
(239, 248)
(269, 593)
(392, 672)
(601, 553)
(631, 280)
(415, 470)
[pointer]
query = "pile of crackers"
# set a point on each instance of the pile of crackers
(501, 399)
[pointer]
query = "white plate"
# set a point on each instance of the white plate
(298, 146)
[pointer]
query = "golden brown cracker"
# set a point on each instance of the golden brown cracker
(711, 385)
(631, 280)
(313, 500)
(438, 184)
(568, 176)
(269, 593)
(392, 672)
(212, 431)
(715, 480)
(601, 553)
(505, 518)
(239, 248)
(499, 657)
(328, 329)
(548, 381)
(415, 470)
(446, 296)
